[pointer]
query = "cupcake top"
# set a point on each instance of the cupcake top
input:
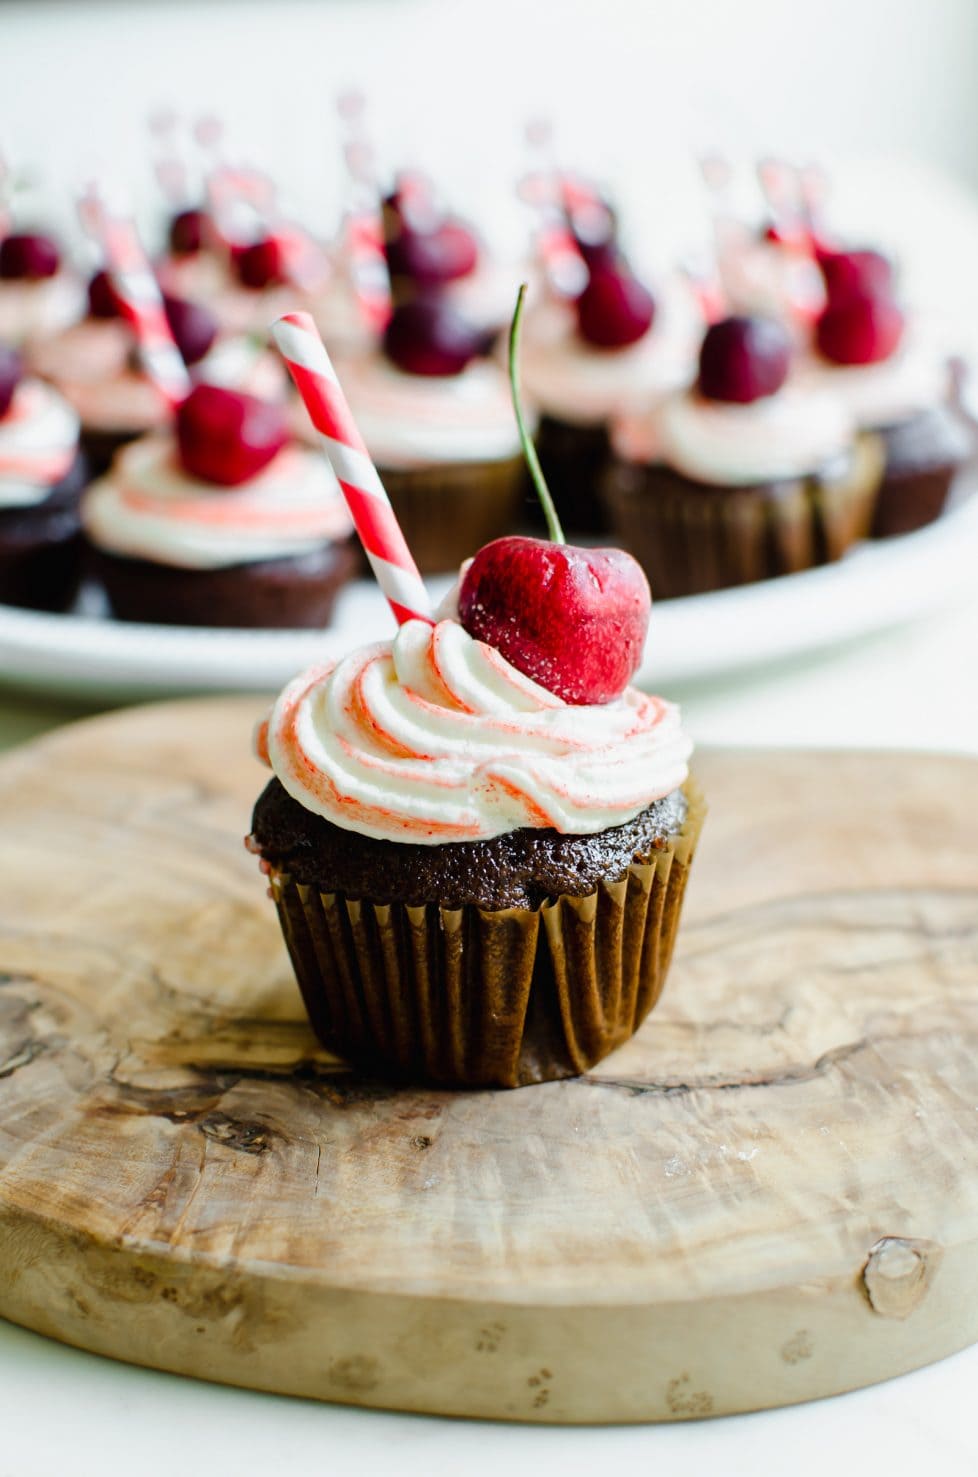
(435, 737)
(578, 381)
(742, 422)
(38, 443)
(416, 420)
(862, 347)
(38, 294)
(182, 507)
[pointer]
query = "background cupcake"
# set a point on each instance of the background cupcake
(437, 420)
(41, 477)
(895, 383)
(223, 522)
(39, 294)
(744, 475)
(585, 360)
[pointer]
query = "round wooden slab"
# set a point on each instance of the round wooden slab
(770, 1194)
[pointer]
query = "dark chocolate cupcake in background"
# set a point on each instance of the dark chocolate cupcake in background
(742, 476)
(588, 360)
(436, 417)
(224, 522)
(895, 384)
(42, 474)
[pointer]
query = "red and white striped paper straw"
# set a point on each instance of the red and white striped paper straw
(373, 517)
(139, 297)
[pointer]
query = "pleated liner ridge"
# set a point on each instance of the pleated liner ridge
(468, 997)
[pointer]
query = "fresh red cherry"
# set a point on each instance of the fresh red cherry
(28, 256)
(11, 369)
(193, 326)
(227, 437)
(861, 329)
(102, 301)
(614, 309)
(188, 232)
(429, 336)
(855, 273)
(262, 264)
(575, 620)
(743, 359)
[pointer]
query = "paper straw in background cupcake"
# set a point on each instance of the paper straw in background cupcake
(780, 187)
(138, 294)
(373, 517)
(362, 244)
(558, 253)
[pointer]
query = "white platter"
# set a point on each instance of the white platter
(875, 587)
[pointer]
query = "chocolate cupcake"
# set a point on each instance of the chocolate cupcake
(96, 365)
(224, 523)
(42, 474)
(896, 385)
(584, 363)
(743, 476)
(437, 422)
(479, 884)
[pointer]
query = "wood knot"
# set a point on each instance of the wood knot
(898, 1273)
(250, 1138)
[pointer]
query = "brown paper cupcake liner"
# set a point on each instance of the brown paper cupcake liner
(924, 455)
(468, 997)
(690, 537)
(574, 459)
(448, 512)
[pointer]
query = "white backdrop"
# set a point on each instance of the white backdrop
(632, 85)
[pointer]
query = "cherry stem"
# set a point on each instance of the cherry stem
(529, 450)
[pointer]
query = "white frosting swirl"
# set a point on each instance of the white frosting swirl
(569, 379)
(413, 420)
(789, 434)
(38, 444)
(148, 507)
(914, 379)
(435, 737)
(31, 310)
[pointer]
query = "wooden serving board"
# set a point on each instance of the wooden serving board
(770, 1194)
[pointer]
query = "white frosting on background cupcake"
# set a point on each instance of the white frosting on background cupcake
(148, 507)
(914, 379)
(30, 310)
(788, 434)
(416, 420)
(38, 444)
